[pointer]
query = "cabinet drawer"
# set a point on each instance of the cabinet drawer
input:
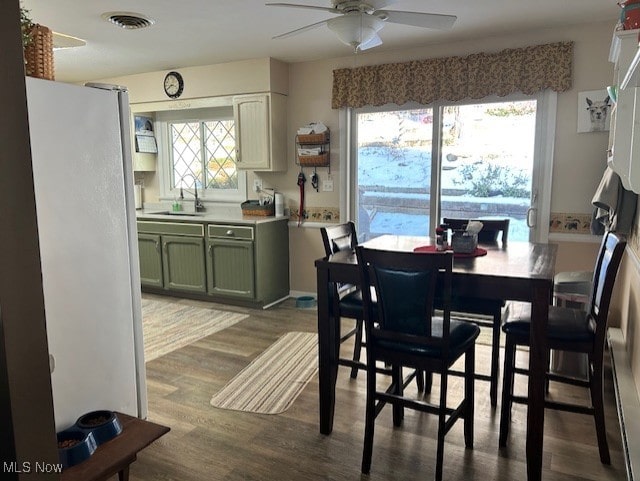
(174, 228)
(230, 231)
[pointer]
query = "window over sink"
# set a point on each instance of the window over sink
(198, 151)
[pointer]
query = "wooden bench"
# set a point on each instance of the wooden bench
(116, 455)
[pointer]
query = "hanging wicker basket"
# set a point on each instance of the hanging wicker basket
(38, 55)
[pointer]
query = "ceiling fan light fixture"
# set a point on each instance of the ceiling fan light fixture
(355, 28)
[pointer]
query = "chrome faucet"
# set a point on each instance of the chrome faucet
(198, 206)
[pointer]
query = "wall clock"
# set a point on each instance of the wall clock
(173, 85)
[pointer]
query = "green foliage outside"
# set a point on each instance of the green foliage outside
(490, 180)
(512, 109)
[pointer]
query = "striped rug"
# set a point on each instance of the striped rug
(168, 326)
(272, 382)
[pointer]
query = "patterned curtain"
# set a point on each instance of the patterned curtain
(475, 76)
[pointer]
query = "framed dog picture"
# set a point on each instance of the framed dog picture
(594, 108)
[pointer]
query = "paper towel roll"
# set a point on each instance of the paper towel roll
(279, 203)
(137, 194)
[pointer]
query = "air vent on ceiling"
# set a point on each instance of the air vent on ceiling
(128, 20)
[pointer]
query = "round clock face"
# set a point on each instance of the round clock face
(173, 85)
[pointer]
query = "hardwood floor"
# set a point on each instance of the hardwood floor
(206, 443)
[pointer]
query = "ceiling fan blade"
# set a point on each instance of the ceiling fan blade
(60, 40)
(311, 7)
(417, 19)
(380, 4)
(300, 30)
(374, 42)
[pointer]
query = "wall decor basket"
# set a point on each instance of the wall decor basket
(252, 207)
(38, 55)
(321, 160)
(313, 138)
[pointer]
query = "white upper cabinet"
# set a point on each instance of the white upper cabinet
(623, 49)
(261, 132)
(624, 139)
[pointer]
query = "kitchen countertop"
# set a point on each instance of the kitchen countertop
(213, 215)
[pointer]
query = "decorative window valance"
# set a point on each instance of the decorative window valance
(475, 76)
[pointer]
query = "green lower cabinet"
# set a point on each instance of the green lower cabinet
(244, 264)
(230, 268)
(150, 260)
(184, 263)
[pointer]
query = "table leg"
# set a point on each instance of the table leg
(123, 474)
(537, 374)
(327, 353)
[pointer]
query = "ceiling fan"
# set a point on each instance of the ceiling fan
(359, 22)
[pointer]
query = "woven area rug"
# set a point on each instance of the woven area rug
(168, 326)
(272, 382)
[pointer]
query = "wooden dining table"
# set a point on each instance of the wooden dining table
(520, 271)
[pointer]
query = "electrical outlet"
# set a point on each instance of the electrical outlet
(327, 186)
(257, 185)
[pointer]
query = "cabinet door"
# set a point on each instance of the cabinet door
(183, 262)
(150, 260)
(230, 268)
(251, 116)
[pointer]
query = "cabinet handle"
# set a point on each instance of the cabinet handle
(210, 250)
(157, 246)
(165, 246)
(230, 232)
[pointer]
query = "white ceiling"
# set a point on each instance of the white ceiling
(203, 32)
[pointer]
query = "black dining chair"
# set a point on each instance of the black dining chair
(572, 330)
(403, 332)
(347, 301)
(346, 298)
(468, 307)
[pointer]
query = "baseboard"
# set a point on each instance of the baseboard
(627, 403)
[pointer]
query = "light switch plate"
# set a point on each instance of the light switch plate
(327, 186)
(257, 185)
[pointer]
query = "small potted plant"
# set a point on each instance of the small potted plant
(37, 42)
(26, 24)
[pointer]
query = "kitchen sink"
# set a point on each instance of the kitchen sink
(178, 214)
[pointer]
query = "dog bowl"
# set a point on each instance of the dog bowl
(305, 302)
(75, 446)
(104, 425)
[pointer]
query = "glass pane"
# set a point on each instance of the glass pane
(487, 162)
(220, 145)
(394, 172)
(186, 155)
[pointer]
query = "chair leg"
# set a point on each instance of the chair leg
(507, 390)
(398, 381)
(598, 406)
(357, 348)
(420, 380)
(428, 382)
(495, 359)
(469, 378)
(441, 425)
(370, 419)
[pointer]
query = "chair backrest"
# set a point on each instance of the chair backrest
(339, 237)
(405, 284)
(490, 228)
(604, 277)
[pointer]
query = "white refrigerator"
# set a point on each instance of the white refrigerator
(83, 180)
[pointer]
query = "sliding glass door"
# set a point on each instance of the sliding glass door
(413, 166)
